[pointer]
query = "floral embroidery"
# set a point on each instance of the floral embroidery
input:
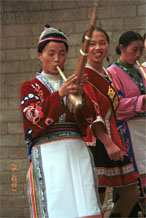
(96, 107)
(34, 113)
(39, 91)
(28, 97)
(89, 120)
(49, 121)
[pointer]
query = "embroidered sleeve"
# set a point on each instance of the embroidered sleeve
(99, 118)
(96, 114)
(129, 107)
(41, 109)
(131, 104)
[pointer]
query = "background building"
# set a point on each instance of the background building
(21, 23)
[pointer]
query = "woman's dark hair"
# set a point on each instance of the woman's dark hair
(43, 44)
(99, 30)
(127, 38)
(144, 37)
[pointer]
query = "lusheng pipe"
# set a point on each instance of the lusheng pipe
(75, 101)
(141, 69)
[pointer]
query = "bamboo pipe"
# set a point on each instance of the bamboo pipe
(61, 73)
(141, 69)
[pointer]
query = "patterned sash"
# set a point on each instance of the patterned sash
(104, 87)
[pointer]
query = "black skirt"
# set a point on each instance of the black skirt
(112, 173)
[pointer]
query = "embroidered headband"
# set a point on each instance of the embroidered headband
(52, 38)
(52, 34)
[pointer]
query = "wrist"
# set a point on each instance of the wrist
(60, 94)
(106, 140)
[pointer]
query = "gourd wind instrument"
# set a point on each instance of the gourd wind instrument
(75, 101)
(141, 69)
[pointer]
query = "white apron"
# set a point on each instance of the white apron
(63, 179)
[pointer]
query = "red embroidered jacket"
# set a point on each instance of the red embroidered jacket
(41, 108)
(105, 97)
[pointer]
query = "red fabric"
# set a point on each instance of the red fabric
(100, 96)
(116, 181)
(41, 109)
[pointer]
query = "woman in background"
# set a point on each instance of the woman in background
(113, 166)
(131, 114)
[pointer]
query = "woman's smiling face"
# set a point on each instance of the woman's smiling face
(98, 48)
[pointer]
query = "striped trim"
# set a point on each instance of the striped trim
(58, 132)
(37, 206)
(41, 202)
(54, 39)
(117, 180)
(116, 171)
(32, 193)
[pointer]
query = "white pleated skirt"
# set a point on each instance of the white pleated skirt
(61, 181)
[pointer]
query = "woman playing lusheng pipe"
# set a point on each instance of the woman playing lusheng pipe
(114, 168)
(131, 84)
(61, 180)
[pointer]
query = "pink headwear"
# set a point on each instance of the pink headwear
(54, 39)
(50, 33)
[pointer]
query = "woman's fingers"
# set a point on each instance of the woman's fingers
(70, 86)
(71, 79)
(117, 156)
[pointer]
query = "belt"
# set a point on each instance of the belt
(59, 131)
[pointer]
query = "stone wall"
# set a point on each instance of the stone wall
(21, 23)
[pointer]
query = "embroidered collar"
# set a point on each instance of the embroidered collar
(140, 83)
(45, 80)
(103, 86)
(105, 75)
(54, 80)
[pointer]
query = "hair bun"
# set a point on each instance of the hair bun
(117, 49)
(46, 26)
